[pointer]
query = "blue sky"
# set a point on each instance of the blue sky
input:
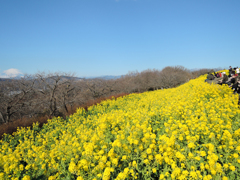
(114, 37)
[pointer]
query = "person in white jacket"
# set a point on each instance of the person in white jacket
(237, 71)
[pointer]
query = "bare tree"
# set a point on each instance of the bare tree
(15, 97)
(97, 87)
(54, 91)
(174, 76)
(67, 93)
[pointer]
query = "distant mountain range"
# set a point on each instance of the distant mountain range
(104, 77)
(108, 77)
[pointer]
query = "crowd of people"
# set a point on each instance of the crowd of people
(232, 80)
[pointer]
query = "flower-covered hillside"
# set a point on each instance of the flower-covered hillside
(188, 132)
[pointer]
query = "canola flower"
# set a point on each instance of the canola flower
(188, 132)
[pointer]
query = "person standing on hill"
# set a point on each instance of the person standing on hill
(230, 71)
(234, 71)
(236, 85)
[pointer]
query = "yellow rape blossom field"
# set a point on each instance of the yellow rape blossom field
(188, 132)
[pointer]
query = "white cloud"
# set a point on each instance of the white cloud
(10, 73)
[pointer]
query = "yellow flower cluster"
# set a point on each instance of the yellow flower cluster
(188, 132)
